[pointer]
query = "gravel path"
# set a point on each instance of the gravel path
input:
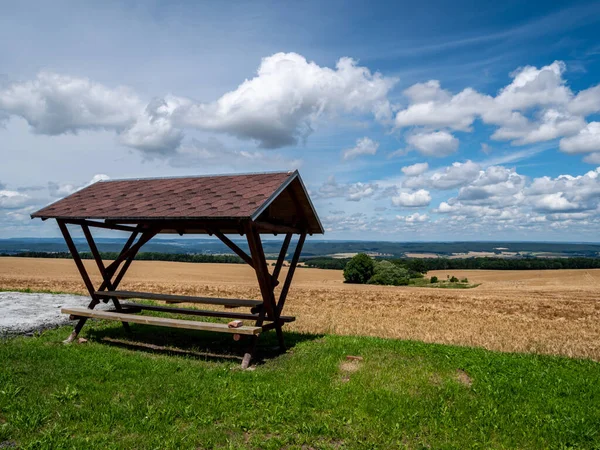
(25, 313)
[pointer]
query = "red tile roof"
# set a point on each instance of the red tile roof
(222, 196)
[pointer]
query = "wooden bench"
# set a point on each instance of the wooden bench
(159, 321)
(137, 307)
(231, 302)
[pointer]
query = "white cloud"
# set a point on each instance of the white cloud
(278, 107)
(437, 143)
(364, 146)
(412, 199)
(415, 169)
(55, 104)
(13, 199)
(281, 104)
(351, 192)
(555, 202)
(586, 102)
(593, 158)
(587, 140)
(64, 189)
(536, 106)
(212, 152)
(414, 218)
(456, 175)
(358, 191)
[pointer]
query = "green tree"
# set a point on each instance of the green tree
(453, 279)
(388, 273)
(417, 265)
(434, 279)
(359, 269)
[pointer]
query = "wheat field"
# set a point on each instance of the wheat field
(551, 312)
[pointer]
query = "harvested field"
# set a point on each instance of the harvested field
(553, 312)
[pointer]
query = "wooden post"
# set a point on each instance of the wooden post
(281, 259)
(103, 272)
(290, 275)
(128, 252)
(84, 275)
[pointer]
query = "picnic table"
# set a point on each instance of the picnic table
(248, 205)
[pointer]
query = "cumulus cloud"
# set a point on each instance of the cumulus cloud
(555, 202)
(587, 140)
(56, 104)
(13, 199)
(212, 152)
(415, 169)
(437, 143)
(64, 189)
(453, 176)
(414, 218)
(364, 146)
(536, 106)
(501, 197)
(352, 191)
(412, 199)
(593, 158)
(278, 107)
(281, 104)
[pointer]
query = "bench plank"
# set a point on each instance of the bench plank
(160, 321)
(135, 307)
(179, 298)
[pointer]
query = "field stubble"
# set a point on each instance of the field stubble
(552, 312)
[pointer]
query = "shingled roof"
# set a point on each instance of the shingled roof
(276, 198)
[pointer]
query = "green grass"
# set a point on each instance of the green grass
(110, 394)
(441, 284)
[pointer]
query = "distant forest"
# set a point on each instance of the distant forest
(142, 256)
(312, 248)
(487, 263)
(422, 265)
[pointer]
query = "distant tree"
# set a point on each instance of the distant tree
(388, 273)
(453, 279)
(464, 280)
(359, 269)
(434, 279)
(417, 265)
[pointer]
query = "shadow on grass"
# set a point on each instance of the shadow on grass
(205, 345)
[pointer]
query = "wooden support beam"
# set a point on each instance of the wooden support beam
(105, 275)
(84, 276)
(264, 280)
(281, 259)
(108, 226)
(290, 275)
(232, 245)
(78, 262)
(265, 227)
(146, 236)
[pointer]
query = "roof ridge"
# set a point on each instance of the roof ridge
(214, 175)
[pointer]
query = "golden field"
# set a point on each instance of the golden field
(554, 312)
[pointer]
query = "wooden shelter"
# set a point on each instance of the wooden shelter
(248, 205)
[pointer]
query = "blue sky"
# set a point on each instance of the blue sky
(407, 120)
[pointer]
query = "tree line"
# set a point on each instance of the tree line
(483, 263)
(142, 256)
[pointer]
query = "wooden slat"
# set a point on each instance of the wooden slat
(180, 298)
(200, 312)
(160, 321)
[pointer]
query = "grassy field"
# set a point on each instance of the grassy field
(118, 391)
(549, 312)
(162, 388)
